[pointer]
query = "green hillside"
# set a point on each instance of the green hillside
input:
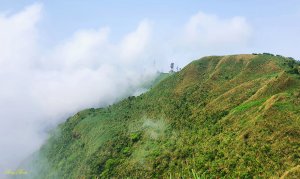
(221, 116)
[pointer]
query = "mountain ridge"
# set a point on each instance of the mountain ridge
(220, 116)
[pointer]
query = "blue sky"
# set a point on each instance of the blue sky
(275, 24)
(61, 56)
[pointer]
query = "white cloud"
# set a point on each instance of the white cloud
(210, 30)
(86, 48)
(133, 44)
(202, 34)
(40, 89)
(18, 36)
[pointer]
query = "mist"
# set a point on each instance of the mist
(41, 86)
(39, 90)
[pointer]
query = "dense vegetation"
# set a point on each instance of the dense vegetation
(221, 116)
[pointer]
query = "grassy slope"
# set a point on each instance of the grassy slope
(233, 116)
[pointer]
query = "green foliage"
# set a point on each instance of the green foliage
(135, 136)
(248, 105)
(220, 117)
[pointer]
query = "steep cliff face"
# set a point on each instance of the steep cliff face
(233, 116)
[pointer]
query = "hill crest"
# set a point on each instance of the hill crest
(220, 116)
